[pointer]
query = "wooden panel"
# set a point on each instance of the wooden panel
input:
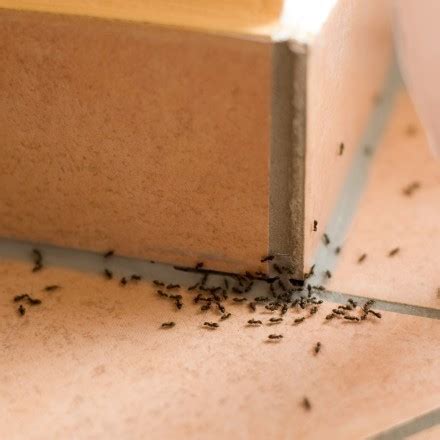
(150, 141)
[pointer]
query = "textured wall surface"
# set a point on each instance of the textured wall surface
(150, 141)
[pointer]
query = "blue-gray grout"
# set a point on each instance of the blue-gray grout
(93, 262)
(410, 427)
(388, 306)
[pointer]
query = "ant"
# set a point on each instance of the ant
(317, 348)
(275, 337)
(341, 148)
(267, 258)
(306, 404)
(51, 288)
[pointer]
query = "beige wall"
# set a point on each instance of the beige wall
(347, 66)
(119, 135)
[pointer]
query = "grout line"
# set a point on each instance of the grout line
(410, 427)
(346, 206)
(387, 306)
(93, 262)
(280, 187)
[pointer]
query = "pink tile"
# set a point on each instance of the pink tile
(387, 219)
(92, 362)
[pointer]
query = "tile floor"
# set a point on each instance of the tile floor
(91, 362)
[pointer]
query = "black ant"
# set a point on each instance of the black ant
(275, 337)
(306, 404)
(267, 258)
(317, 348)
(51, 288)
(393, 252)
(341, 148)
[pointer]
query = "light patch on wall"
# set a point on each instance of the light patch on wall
(302, 20)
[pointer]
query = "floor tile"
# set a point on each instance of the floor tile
(91, 361)
(388, 219)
